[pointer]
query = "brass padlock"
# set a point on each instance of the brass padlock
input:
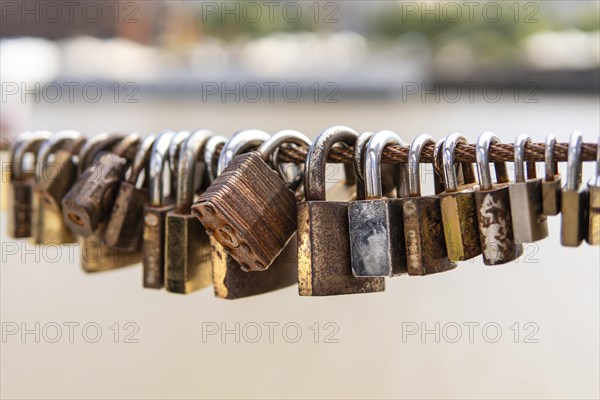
(249, 208)
(187, 253)
(493, 208)
(324, 263)
(574, 201)
(20, 200)
(528, 221)
(376, 223)
(90, 200)
(229, 280)
(457, 203)
(551, 185)
(423, 228)
(53, 180)
(593, 234)
(155, 214)
(125, 226)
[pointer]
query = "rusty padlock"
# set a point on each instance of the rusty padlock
(20, 200)
(528, 221)
(7, 148)
(423, 228)
(575, 197)
(324, 264)
(457, 204)
(53, 180)
(188, 249)
(551, 185)
(593, 234)
(125, 227)
(493, 208)
(376, 223)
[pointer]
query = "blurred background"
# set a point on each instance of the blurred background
(412, 67)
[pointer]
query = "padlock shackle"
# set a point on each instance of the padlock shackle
(519, 153)
(551, 167)
(210, 148)
(450, 178)
(316, 160)
(189, 155)
(158, 159)
(142, 157)
(30, 143)
(374, 150)
(574, 164)
(240, 141)
(132, 140)
(269, 151)
(483, 162)
(175, 150)
(50, 146)
(414, 157)
(95, 144)
(358, 156)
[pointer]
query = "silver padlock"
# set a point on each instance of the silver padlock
(574, 197)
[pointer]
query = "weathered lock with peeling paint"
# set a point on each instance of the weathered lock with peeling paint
(575, 197)
(376, 223)
(528, 220)
(457, 204)
(493, 208)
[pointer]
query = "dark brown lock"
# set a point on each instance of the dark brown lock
(21, 183)
(125, 227)
(423, 227)
(91, 198)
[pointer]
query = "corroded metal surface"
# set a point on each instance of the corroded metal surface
(459, 216)
(125, 227)
(324, 266)
(153, 248)
(574, 216)
(20, 209)
(97, 257)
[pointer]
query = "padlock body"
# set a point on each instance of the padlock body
(5, 183)
(231, 282)
(593, 234)
(97, 257)
(250, 211)
(48, 226)
(377, 237)
(20, 209)
(187, 258)
(528, 220)
(461, 231)
(424, 236)
(574, 217)
(551, 196)
(153, 248)
(57, 178)
(495, 226)
(324, 263)
(125, 226)
(91, 198)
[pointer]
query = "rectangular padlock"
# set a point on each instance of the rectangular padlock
(48, 223)
(593, 234)
(575, 198)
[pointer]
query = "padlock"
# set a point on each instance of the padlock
(53, 180)
(5, 145)
(187, 253)
(91, 199)
(155, 213)
(528, 221)
(125, 226)
(389, 172)
(376, 223)
(229, 280)
(20, 200)
(324, 263)
(425, 242)
(575, 197)
(252, 210)
(593, 234)
(457, 204)
(493, 208)
(551, 185)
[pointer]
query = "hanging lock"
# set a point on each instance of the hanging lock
(125, 227)
(7, 150)
(575, 197)
(187, 252)
(376, 223)
(324, 263)
(528, 221)
(593, 235)
(20, 200)
(493, 208)
(249, 208)
(551, 185)
(229, 280)
(53, 181)
(457, 203)
(423, 229)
